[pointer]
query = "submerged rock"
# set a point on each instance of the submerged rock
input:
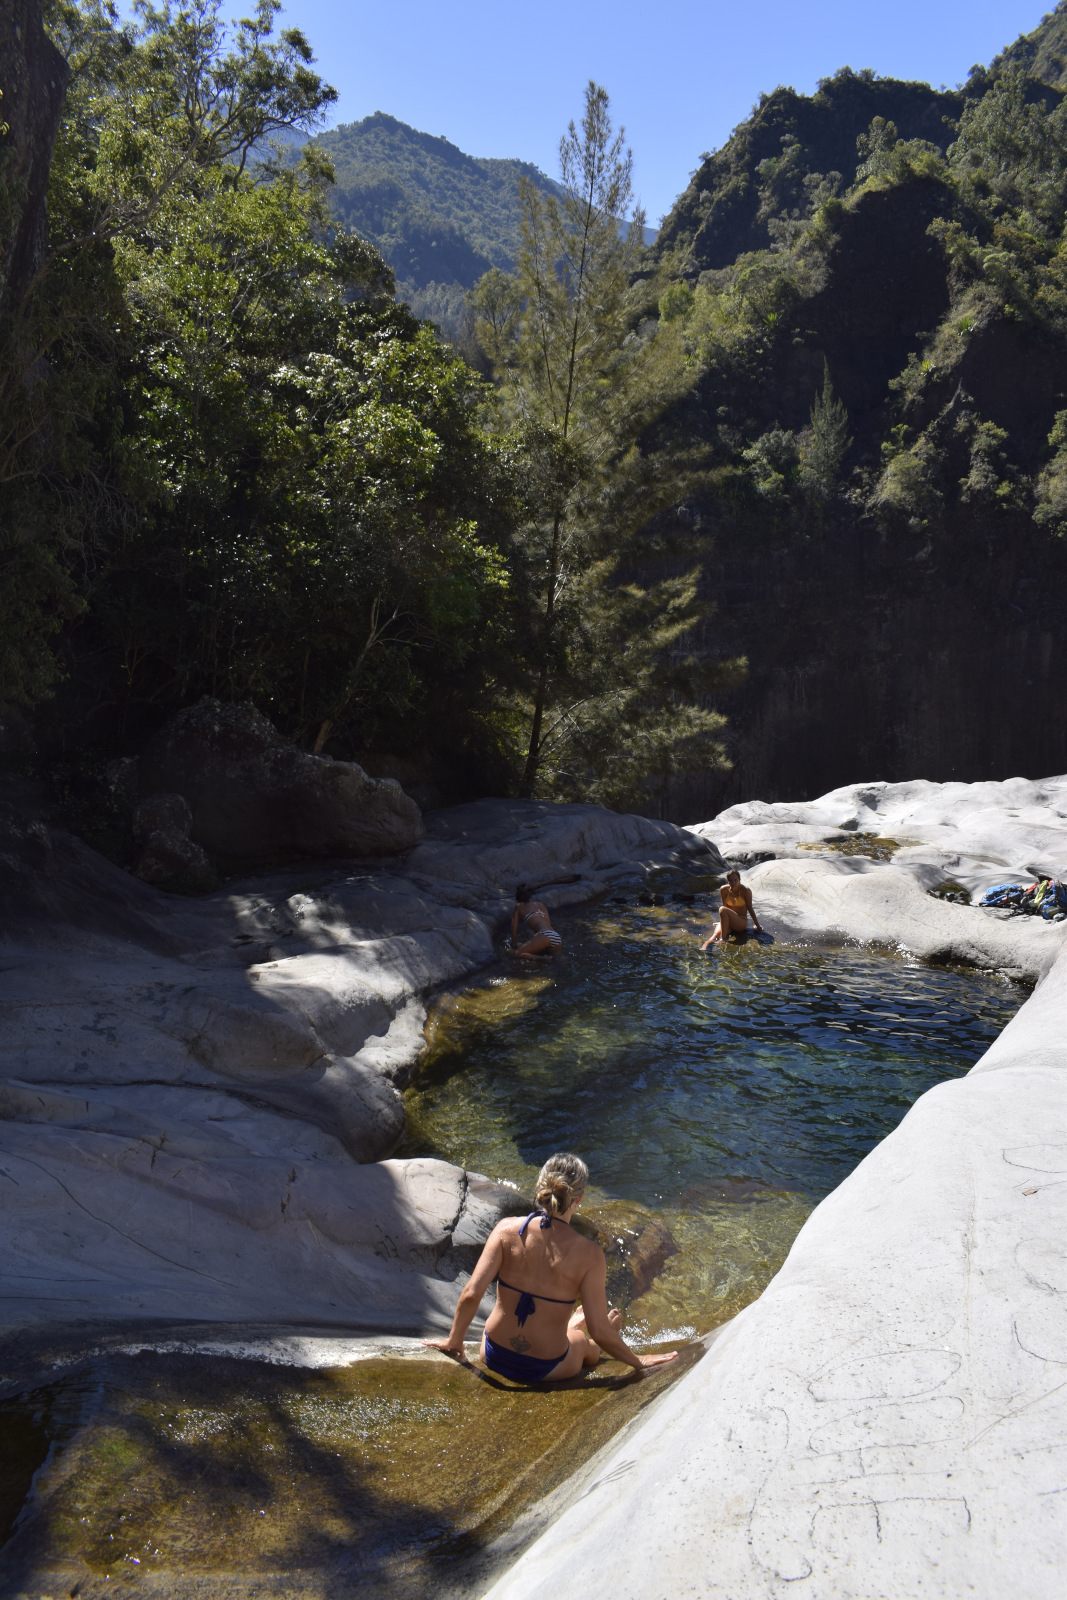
(253, 795)
(637, 1243)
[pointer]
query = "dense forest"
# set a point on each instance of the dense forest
(802, 463)
(232, 464)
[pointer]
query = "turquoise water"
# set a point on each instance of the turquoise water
(691, 1082)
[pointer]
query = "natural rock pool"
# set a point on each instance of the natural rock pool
(716, 1099)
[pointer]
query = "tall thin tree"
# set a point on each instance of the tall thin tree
(584, 375)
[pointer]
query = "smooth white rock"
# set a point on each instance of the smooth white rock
(975, 835)
(1020, 824)
(854, 900)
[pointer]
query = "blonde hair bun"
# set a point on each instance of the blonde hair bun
(560, 1182)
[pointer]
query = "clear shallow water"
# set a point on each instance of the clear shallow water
(725, 1092)
(182, 1475)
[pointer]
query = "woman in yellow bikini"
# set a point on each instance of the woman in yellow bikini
(736, 910)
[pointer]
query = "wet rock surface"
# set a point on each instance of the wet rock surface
(180, 1474)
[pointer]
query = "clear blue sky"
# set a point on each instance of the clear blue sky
(503, 80)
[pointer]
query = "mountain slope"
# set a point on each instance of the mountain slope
(440, 217)
(895, 570)
(760, 171)
(1042, 53)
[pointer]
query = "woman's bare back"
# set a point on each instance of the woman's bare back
(549, 1264)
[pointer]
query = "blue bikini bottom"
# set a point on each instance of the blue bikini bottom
(519, 1368)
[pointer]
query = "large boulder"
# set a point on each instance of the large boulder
(253, 795)
(169, 857)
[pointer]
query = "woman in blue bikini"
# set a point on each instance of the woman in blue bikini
(533, 1334)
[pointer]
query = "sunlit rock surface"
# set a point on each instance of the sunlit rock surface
(190, 1089)
(889, 1418)
(863, 863)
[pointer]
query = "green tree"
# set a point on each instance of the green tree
(308, 466)
(150, 107)
(253, 473)
(1011, 154)
(823, 449)
(585, 374)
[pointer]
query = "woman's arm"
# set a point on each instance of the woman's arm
(752, 909)
(515, 925)
(471, 1298)
(595, 1305)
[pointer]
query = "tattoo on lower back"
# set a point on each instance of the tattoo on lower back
(519, 1345)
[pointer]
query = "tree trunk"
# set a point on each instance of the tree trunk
(33, 77)
(533, 754)
(371, 640)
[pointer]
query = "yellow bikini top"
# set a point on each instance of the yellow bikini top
(734, 898)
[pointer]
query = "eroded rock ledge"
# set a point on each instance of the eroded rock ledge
(192, 1091)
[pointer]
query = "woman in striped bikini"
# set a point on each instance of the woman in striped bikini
(542, 938)
(533, 1334)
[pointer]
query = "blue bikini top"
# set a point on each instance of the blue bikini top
(526, 1306)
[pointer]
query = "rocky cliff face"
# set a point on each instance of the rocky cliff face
(884, 655)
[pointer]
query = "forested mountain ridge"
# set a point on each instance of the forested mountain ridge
(436, 214)
(776, 160)
(440, 217)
